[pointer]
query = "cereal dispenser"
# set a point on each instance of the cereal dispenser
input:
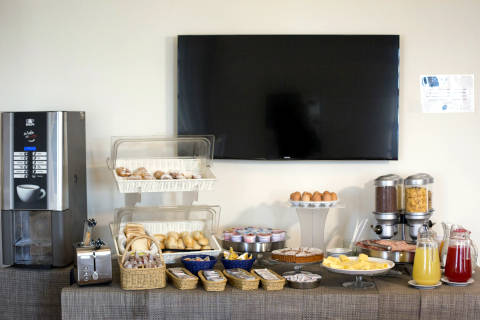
(418, 201)
(388, 205)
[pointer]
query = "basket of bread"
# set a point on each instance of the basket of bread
(139, 269)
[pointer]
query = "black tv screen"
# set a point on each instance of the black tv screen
(299, 97)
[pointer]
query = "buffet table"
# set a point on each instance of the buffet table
(390, 299)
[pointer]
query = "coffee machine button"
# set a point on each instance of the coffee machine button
(95, 275)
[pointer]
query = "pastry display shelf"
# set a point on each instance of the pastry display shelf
(184, 154)
(188, 155)
(312, 224)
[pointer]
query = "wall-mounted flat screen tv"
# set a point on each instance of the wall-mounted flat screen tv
(298, 97)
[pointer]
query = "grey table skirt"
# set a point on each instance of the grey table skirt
(390, 299)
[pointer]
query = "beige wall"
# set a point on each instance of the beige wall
(116, 60)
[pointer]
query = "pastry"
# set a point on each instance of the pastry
(158, 174)
(140, 171)
(123, 172)
(196, 246)
(188, 175)
(166, 176)
(206, 248)
(296, 196)
(134, 177)
(174, 173)
(147, 176)
(298, 255)
(196, 176)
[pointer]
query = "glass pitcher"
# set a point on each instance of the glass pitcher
(447, 227)
(458, 267)
(426, 265)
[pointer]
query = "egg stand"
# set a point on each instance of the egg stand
(312, 229)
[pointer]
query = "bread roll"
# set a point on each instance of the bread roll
(203, 241)
(171, 243)
(189, 242)
(184, 234)
(160, 237)
(196, 246)
(197, 235)
(180, 244)
(173, 234)
(206, 247)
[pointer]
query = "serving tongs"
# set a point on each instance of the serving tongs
(378, 245)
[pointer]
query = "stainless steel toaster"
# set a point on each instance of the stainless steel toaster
(93, 264)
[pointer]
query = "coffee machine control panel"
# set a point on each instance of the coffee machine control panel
(30, 160)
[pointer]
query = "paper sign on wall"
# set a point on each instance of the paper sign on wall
(447, 93)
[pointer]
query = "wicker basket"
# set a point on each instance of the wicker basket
(243, 284)
(213, 285)
(271, 285)
(183, 284)
(140, 279)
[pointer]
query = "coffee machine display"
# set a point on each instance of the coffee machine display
(402, 206)
(43, 186)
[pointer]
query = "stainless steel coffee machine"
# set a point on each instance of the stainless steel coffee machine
(44, 193)
(402, 206)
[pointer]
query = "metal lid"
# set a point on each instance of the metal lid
(388, 180)
(418, 179)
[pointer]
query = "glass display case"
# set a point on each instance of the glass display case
(158, 221)
(159, 164)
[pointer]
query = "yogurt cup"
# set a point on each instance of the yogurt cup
(278, 235)
(249, 238)
(236, 237)
(264, 237)
(227, 235)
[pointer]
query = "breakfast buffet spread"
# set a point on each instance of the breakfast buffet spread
(151, 242)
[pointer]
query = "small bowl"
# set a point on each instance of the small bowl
(195, 266)
(336, 252)
(243, 264)
(301, 285)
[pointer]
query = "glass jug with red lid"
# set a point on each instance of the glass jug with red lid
(458, 266)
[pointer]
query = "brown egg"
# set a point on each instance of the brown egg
(306, 196)
(296, 196)
(327, 197)
(325, 193)
(317, 196)
(316, 192)
(334, 196)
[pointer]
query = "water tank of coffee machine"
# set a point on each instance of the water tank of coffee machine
(43, 186)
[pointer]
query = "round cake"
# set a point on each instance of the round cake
(298, 255)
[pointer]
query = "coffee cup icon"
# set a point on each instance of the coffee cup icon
(30, 192)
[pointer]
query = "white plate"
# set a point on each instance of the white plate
(414, 284)
(313, 204)
(457, 284)
(364, 272)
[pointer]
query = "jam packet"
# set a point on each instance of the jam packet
(212, 275)
(266, 274)
(180, 273)
(240, 273)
